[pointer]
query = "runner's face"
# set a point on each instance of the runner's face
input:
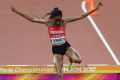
(57, 20)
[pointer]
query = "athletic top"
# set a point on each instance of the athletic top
(57, 34)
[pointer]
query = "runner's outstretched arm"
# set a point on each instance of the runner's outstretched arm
(83, 15)
(32, 19)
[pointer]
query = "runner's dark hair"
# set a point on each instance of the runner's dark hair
(54, 13)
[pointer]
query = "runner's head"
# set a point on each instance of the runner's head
(56, 13)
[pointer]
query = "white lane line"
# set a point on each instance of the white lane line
(100, 34)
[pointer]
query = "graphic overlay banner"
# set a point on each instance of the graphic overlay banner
(49, 73)
(51, 69)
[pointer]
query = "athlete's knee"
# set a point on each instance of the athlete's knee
(78, 61)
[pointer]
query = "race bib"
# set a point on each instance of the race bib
(60, 40)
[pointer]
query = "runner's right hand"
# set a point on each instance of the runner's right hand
(99, 5)
(13, 9)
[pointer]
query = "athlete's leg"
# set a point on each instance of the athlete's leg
(73, 55)
(58, 62)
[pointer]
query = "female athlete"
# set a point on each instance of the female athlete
(56, 29)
